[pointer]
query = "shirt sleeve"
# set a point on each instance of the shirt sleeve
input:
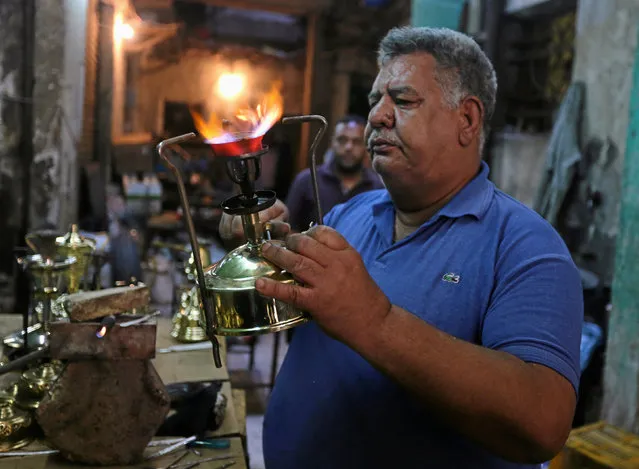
(536, 309)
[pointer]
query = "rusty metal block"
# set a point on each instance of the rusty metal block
(86, 306)
(104, 412)
(78, 341)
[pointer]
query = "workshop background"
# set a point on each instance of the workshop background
(88, 88)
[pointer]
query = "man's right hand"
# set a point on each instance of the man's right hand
(231, 230)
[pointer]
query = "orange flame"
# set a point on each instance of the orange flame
(250, 123)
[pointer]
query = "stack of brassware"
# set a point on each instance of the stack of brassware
(57, 266)
(187, 322)
(20, 400)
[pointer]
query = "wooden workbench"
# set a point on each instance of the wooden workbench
(181, 367)
(172, 367)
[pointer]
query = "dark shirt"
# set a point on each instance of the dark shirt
(300, 200)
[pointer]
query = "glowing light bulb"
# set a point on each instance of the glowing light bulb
(124, 31)
(230, 85)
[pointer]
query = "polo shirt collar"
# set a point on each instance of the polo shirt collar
(472, 200)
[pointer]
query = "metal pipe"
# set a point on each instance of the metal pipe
(318, 136)
(144, 318)
(105, 326)
(23, 361)
(211, 327)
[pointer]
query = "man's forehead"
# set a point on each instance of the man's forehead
(349, 126)
(405, 70)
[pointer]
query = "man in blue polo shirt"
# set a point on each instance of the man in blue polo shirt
(446, 315)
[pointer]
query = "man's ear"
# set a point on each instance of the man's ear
(471, 120)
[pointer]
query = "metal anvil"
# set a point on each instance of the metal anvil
(109, 400)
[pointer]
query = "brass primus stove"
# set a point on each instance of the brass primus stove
(231, 304)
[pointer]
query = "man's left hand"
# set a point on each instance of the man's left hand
(335, 287)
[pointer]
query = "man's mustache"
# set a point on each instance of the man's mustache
(376, 138)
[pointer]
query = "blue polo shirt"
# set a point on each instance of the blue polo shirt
(485, 269)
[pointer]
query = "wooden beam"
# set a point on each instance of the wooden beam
(290, 7)
(311, 39)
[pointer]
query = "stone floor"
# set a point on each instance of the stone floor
(256, 398)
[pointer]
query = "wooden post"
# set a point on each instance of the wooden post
(341, 90)
(311, 33)
(621, 372)
(26, 150)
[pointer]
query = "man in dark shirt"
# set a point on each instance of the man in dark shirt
(342, 176)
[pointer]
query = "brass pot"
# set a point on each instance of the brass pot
(15, 425)
(34, 384)
(239, 308)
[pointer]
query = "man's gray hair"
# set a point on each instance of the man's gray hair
(462, 67)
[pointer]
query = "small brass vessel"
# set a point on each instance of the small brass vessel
(34, 384)
(187, 323)
(81, 248)
(15, 425)
(48, 275)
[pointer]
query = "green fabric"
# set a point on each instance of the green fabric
(562, 156)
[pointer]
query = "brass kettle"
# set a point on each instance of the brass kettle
(231, 304)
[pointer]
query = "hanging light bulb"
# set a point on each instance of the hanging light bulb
(230, 85)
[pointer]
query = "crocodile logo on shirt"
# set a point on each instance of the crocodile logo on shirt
(451, 277)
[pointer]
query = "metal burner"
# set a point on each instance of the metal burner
(230, 303)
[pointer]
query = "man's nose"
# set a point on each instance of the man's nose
(381, 115)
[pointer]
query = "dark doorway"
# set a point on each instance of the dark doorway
(360, 87)
(178, 119)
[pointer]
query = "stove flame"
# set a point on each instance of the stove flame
(248, 122)
(101, 332)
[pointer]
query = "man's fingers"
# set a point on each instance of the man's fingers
(328, 237)
(231, 228)
(309, 247)
(279, 229)
(302, 268)
(294, 295)
(277, 211)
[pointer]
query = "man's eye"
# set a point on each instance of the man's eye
(402, 102)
